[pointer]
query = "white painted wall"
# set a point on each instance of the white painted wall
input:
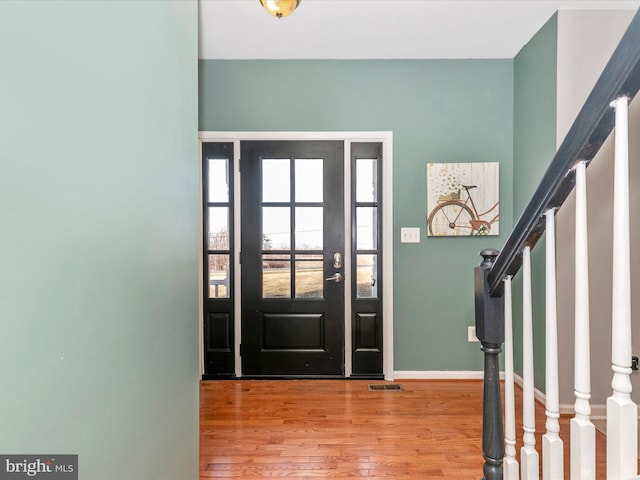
(586, 40)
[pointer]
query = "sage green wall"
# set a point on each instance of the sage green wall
(99, 257)
(534, 148)
(439, 111)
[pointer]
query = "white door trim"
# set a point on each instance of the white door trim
(386, 138)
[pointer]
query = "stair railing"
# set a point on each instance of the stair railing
(606, 105)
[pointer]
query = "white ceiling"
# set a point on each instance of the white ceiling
(339, 29)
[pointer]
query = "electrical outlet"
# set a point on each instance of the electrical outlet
(471, 334)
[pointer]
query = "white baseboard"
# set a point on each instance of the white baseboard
(540, 397)
(440, 375)
(597, 411)
(566, 408)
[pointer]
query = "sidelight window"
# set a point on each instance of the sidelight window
(367, 227)
(218, 227)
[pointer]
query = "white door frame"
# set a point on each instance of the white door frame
(386, 138)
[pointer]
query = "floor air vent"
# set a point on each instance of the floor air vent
(384, 387)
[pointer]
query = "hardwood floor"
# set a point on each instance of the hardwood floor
(309, 429)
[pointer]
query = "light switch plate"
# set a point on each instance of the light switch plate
(409, 235)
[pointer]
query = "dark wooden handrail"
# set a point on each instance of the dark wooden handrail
(594, 123)
(620, 78)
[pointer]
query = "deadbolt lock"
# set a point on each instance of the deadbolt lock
(337, 260)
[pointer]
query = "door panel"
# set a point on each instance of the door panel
(366, 254)
(217, 165)
(286, 331)
(292, 213)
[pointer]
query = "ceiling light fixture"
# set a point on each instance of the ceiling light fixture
(280, 8)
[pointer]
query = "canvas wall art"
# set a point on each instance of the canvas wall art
(463, 199)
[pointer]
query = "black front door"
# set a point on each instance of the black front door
(292, 250)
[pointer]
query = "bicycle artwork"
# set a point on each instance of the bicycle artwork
(462, 199)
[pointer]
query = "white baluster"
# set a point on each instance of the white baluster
(528, 454)
(582, 430)
(622, 413)
(510, 464)
(552, 454)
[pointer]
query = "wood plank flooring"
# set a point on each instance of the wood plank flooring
(309, 429)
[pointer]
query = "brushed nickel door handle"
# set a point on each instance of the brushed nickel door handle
(336, 278)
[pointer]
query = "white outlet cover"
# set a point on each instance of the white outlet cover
(471, 334)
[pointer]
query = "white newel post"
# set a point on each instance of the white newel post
(622, 413)
(528, 454)
(552, 449)
(583, 447)
(510, 464)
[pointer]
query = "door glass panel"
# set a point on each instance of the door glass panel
(218, 228)
(309, 279)
(309, 228)
(219, 276)
(366, 228)
(276, 228)
(276, 276)
(366, 180)
(367, 276)
(218, 185)
(309, 182)
(276, 180)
